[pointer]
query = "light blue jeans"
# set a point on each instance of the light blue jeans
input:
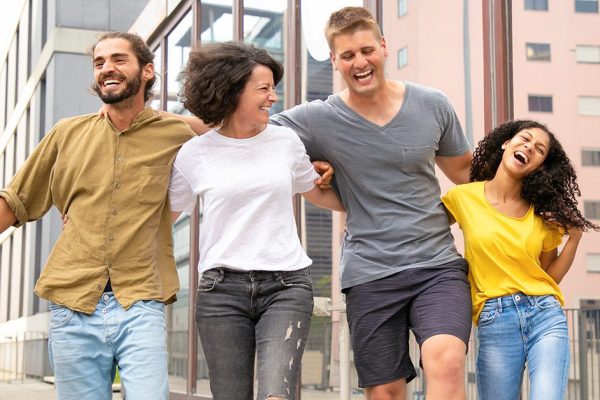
(516, 330)
(85, 349)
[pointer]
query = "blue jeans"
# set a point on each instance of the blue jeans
(240, 314)
(85, 349)
(515, 330)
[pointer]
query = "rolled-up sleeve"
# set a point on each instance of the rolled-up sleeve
(29, 192)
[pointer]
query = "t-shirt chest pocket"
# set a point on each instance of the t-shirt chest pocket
(416, 159)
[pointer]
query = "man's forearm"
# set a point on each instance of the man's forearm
(7, 215)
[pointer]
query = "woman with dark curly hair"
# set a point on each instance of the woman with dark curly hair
(255, 291)
(513, 214)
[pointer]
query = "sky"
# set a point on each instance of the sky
(9, 12)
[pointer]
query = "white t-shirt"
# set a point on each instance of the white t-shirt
(246, 188)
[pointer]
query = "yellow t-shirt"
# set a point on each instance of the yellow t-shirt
(503, 252)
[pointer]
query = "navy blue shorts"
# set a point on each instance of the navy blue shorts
(428, 301)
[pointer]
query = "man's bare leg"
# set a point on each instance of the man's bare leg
(388, 391)
(443, 358)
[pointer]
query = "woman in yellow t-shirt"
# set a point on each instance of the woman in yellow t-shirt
(521, 199)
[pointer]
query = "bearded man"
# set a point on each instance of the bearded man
(112, 271)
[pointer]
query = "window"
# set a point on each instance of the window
(540, 103)
(539, 5)
(588, 105)
(402, 57)
(586, 6)
(591, 209)
(538, 51)
(590, 157)
(402, 7)
(592, 260)
(588, 54)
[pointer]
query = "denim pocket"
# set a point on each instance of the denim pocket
(487, 316)
(59, 315)
(209, 280)
(545, 302)
(297, 280)
(153, 306)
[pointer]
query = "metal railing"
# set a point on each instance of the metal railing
(23, 354)
(328, 367)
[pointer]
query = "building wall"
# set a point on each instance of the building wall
(444, 46)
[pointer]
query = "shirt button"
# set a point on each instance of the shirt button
(111, 238)
(517, 297)
(109, 265)
(119, 158)
(118, 186)
(99, 287)
(105, 297)
(114, 212)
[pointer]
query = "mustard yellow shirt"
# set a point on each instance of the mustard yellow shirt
(503, 252)
(113, 186)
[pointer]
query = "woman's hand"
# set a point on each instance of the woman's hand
(103, 111)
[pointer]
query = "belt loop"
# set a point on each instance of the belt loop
(500, 304)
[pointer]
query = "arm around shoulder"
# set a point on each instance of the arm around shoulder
(195, 123)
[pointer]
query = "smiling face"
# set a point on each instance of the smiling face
(525, 152)
(117, 73)
(256, 99)
(360, 58)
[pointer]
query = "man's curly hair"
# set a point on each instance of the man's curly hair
(552, 188)
(215, 75)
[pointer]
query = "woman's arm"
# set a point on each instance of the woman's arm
(324, 198)
(557, 265)
(195, 123)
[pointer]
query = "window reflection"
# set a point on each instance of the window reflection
(263, 27)
(155, 103)
(179, 44)
(217, 21)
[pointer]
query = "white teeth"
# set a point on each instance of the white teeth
(265, 108)
(363, 75)
(111, 82)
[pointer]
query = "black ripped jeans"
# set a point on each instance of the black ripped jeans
(240, 314)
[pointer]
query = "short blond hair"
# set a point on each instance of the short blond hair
(349, 20)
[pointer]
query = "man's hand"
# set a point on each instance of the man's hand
(324, 169)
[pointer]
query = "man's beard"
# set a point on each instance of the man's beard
(132, 86)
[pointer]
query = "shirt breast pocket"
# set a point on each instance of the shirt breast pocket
(154, 182)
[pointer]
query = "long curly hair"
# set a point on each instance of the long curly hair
(215, 75)
(552, 188)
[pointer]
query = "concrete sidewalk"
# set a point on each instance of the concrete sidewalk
(31, 389)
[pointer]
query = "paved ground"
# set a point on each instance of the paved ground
(38, 390)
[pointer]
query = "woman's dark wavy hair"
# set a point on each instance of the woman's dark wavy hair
(215, 76)
(552, 188)
(143, 54)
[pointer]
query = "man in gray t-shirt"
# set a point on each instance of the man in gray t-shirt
(400, 269)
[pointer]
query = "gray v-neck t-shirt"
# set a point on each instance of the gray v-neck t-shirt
(385, 176)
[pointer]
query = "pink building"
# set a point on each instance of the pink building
(556, 80)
